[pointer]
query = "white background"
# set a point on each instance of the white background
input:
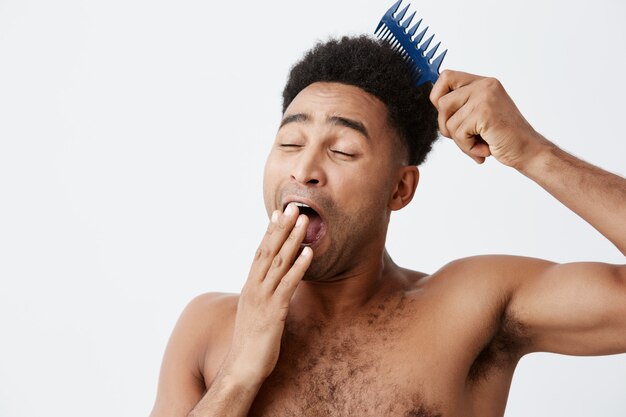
(132, 141)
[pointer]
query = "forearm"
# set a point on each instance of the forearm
(227, 397)
(598, 196)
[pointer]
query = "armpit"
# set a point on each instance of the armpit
(502, 351)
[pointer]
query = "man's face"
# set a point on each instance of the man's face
(334, 151)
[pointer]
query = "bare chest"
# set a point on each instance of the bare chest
(400, 358)
(365, 369)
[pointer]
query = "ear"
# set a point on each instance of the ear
(404, 189)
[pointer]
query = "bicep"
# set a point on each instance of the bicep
(181, 385)
(574, 308)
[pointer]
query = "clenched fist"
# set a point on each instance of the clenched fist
(478, 114)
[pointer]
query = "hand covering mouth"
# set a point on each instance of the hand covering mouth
(316, 228)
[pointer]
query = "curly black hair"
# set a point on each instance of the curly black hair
(376, 68)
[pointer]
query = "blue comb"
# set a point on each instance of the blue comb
(402, 39)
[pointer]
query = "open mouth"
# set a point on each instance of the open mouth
(316, 228)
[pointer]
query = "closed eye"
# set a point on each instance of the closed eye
(342, 153)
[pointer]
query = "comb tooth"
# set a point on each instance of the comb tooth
(388, 15)
(381, 34)
(437, 62)
(431, 53)
(412, 31)
(388, 36)
(425, 45)
(407, 21)
(393, 8)
(420, 35)
(400, 15)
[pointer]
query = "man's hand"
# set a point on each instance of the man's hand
(261, 312)
(264, 301)
(478, 114)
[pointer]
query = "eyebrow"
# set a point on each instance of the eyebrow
(335, 120)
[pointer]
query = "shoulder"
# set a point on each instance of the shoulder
(505, 271)
(203, 321)
(208, 311)
(203, 326)
(211, 301)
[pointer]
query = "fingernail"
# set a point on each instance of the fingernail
(275, 216)
(291, 208)
(306, 251)
(300, 221)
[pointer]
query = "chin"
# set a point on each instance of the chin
(322, 268)
(317, 269)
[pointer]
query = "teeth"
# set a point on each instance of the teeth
(301, 204)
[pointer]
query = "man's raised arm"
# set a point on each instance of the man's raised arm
(575, 308)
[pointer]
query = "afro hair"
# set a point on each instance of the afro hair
(376, 68)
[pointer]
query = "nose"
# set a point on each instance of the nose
(308, 169)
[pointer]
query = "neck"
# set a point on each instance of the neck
(346, 294)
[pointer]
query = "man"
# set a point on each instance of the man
(327, 324)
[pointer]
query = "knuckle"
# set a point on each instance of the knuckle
(281, 225)
(493, 83)
(449, 124)
(451, 127)
(278, 261)
(442, 104)
(259, 253)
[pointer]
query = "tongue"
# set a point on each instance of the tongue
(313, 230)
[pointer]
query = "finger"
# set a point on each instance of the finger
(477, 146)
(480, 148)
(287, 285)
(450, 80)
(462, 130)
(284, 259)
(454, 122)
(276, 234)
(449, 105)
(466, 139)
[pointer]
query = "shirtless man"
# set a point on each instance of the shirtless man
(327, 324)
